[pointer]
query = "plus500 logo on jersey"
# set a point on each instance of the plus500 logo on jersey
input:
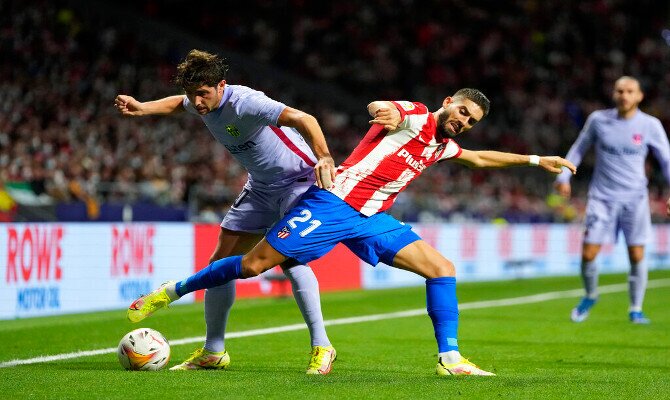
(417, 165)
(132, 259)
(33, 263)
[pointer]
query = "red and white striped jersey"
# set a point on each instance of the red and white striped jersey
(384, 163)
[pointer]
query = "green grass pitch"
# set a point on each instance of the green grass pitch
(534, 348)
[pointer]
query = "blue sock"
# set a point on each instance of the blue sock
(215, 274)
(443, 311)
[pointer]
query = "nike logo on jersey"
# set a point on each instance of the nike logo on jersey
(417, 165)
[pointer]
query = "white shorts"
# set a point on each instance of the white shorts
(256, 210)
(605, 218)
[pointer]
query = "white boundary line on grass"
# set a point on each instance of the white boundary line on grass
(513, 301)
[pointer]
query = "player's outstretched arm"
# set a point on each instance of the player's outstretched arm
(309, 128)
(128, 106)
(497, 159)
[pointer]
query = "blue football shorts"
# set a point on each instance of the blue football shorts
(605, 218)
(320, 220)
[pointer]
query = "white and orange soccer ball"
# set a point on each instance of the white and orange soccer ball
(144, 349)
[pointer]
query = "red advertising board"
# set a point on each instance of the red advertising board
(340, 269)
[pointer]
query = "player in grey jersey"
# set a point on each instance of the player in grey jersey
(266, 137)
(618, 196)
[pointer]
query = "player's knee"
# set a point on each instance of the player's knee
(441, 269)
(589, 255)
(249, 269)
(636, 254)
(590, 252)
(253, 266)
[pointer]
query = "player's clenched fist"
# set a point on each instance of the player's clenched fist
(127, 105)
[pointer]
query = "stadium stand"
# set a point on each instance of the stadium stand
(65, 154)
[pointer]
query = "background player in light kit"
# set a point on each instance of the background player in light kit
(405, 139)
(618, 197)
(265, 137)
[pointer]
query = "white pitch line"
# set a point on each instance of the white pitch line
(513, 301)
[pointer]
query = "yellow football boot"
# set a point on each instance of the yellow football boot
(321, 360)
(149, 303)
(204, 359)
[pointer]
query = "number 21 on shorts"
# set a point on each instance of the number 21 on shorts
(305, 215)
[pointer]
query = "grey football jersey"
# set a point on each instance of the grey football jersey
(621, 147)
(246, 124)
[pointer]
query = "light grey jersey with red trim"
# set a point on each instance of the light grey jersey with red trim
(246, 124)
(621, 149)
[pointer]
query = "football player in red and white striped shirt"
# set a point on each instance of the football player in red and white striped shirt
(404, 140)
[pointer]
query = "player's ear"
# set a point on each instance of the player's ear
(447, 100)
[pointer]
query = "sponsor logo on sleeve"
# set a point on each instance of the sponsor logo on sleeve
(406, 105)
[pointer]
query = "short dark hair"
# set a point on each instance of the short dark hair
(476, 97)
(200, 68)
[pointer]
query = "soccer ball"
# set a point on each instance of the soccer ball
(143, 349)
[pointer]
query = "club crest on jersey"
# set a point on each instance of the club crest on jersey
(637, 138)
(284, 233)
(232, 130)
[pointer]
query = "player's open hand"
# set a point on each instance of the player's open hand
(325, 172)
(390, 118)
(554, 164)
(127, 105)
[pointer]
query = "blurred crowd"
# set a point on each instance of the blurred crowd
(544, 65)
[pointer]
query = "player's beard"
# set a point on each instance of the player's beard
(442, 127)
(624, 107)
